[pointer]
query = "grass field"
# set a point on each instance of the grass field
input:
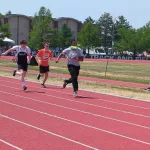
(138, 73)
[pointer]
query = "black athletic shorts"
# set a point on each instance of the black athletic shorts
(24, 67)
(44, 69)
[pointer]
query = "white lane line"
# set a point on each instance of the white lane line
(65, 99)
(52, 133)
(11, 145)
(85, 125)
(99, 99)
(102, 93)
(77, 110)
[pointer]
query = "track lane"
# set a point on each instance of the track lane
(72, 131)
(27, 136)
(83, 94)
(47, 108)
(59, 102)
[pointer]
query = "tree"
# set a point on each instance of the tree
(133, 40)
(89, 36)
(4, 31)
(144, 34)
(122, 22)
(119, 23)
(105, 24)
(65, 36)
(55, 41)
(89, 19)
(124, 43)
(41, 28)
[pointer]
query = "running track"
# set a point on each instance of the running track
(51, 119)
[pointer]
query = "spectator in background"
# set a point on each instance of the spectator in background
(3, 49)
(147, 56)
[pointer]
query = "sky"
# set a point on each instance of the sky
(137, 12)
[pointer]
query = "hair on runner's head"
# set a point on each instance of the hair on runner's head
(23, 42)
(74, 42)
(46, 42)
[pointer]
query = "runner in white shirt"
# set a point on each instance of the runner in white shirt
(75, 55)
(23, 57)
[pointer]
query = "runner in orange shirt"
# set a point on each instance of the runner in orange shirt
(43, 57)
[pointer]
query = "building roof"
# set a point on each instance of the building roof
(69, 18)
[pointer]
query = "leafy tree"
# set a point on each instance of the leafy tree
(89, 19)
(122, 22)
(41, 28)
(65, 36)
(4, 31)
(133, 40)
(126, 43)
(1, 20)
(144, 34)
(89, 36)
(55, 40)
(119, 23)
(105, 24)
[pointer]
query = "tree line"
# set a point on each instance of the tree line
(107, 32)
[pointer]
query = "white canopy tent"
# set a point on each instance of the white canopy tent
(8, 40)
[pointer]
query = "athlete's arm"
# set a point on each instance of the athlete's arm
(8, 51)
(81, 58)
(28, 51)
(38, 58)
(61, 54)
(51, 55)
(29, 57)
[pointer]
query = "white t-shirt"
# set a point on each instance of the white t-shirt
(72, 53)
(20, 49)
(22, 54)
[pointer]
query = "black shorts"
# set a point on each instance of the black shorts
(24, 67)
(44, 69)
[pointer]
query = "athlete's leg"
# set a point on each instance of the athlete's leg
(23, 74)
(45, 79)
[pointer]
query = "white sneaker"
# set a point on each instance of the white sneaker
(147, 89)
(75, 94)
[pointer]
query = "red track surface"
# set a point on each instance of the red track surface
(51, 119)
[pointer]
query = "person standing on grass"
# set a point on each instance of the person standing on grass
(23, 58)
(147, 56)
(75, 55)
(43, 57)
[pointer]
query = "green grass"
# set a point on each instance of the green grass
(129, 72)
